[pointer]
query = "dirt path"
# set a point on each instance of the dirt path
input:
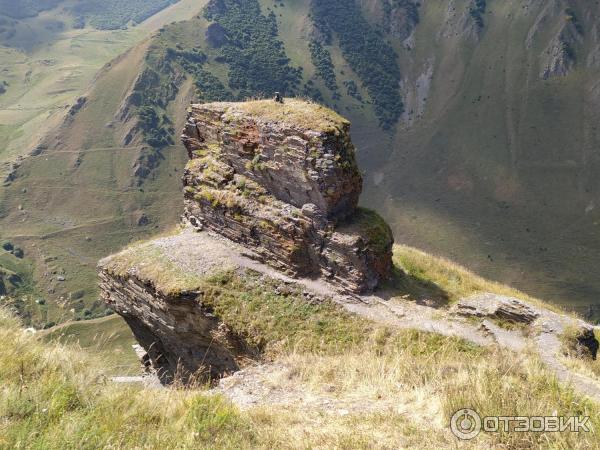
(204, 252)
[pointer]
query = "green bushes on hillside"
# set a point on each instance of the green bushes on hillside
(258, 64)
(571, 16)
(115, 14)
(321, 58)
(158, 128)
(209, 87)
(368, 53)
(151, 94)
(309, 90)
(167, 63)
(477, 10)
(352, 90)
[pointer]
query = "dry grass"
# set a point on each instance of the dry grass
(296, 112)
(578, 358)
(399, 390)
(350, 383)
(587, 367)
(455, 280)
(406, 386)
(150, 264)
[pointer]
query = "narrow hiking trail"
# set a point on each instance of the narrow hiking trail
(473, 319)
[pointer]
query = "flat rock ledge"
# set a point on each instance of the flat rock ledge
(158, 287)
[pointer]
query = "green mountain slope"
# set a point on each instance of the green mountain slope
(496, 160)
(475, 123)
(47, 60)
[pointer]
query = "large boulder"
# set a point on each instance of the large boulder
(283, 179)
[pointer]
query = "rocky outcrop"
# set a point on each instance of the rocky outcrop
(559, 58)
(282, 179)
(497, 307)
(547, 324)
(280, 183)
(399, 18)
(182, 339)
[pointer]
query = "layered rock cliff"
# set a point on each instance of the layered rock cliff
(282, 179)
(266, 183)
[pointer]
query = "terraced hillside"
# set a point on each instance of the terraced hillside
(475, 123)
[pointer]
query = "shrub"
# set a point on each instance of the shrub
(321, 59)
(367, 52)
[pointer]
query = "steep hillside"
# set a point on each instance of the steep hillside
(77, 198)
(47, 60)
(495, 162)
(475, 124)
(45, 108)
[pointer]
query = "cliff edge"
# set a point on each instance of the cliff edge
(270, 188)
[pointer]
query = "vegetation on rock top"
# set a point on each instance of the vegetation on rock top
(295, 112)
(374, 228)
(151, 264)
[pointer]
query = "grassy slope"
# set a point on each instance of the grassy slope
(54, 397)
(500, 183)
(108, 337)
(47, 71)
(79, 202)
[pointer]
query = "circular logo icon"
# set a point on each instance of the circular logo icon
(465, 424)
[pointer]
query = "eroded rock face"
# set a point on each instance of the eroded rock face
(282, 179)
(498, 307)
(280, 182)
(540, 320)
(183, 340)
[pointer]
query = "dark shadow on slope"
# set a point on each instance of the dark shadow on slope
(413, 288)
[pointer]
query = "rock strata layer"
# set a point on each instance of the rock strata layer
(182, 339)
(542, 320)
(282, 179)
(280, 183)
